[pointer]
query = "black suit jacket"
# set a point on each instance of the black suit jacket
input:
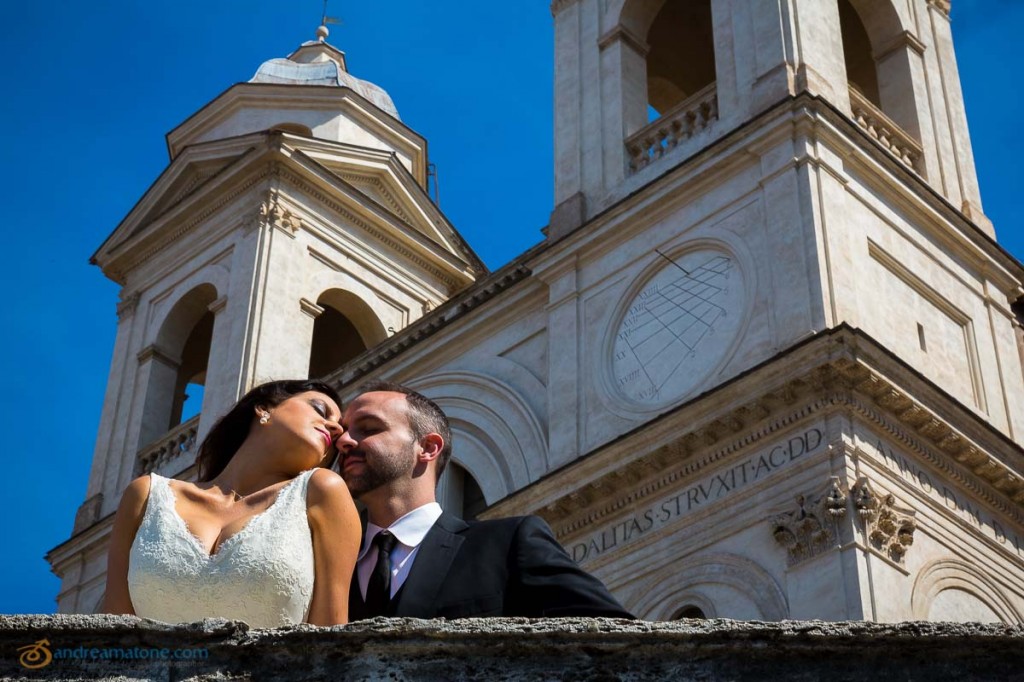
(503, 567)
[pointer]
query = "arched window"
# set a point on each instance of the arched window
(346, 327)
(335, 341)
(689, 611)
(458, 492)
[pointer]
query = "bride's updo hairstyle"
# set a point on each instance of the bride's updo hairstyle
(231, 430)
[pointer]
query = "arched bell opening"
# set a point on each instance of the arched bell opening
(345, 328)
(191, 381)
(860, 64)
(880, 57)
(175, 365)
(681, 55)
(667, 47)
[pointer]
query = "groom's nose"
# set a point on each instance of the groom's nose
(344, 442)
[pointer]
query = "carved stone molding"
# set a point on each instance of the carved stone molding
(272, 213)
(140, 256)
(154, 352)
(558, 5)
(888, 528)
(905, 39)
(941, 5)
(350, 217)
(127, 305)
(88, 513)
(312, 309)
(812, 528)
(218, 305)
(621, 33)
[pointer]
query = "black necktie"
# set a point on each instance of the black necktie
(378, 591)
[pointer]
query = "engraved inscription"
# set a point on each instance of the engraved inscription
(699, 494)
(954, 500)
(678, 327)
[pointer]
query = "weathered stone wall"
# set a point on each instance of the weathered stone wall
(509, 649)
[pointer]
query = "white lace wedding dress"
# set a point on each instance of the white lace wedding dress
(262, 575)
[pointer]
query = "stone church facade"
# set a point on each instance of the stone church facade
(766, 364)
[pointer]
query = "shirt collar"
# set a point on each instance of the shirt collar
(409, 529)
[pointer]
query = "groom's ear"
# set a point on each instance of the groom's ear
(431, 446)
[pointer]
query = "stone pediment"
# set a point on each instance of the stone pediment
(188, 179)
(386, 183)
(383, 199)
(837, 370)
(335, 113)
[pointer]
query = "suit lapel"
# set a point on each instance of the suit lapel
(430, 567)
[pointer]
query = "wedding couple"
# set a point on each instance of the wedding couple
(269, 534)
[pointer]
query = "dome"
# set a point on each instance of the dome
(317, 63)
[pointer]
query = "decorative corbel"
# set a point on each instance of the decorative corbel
(813, 527)
(127, 305)
(271, 212)
(889, 529)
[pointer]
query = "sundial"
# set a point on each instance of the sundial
(679, 327)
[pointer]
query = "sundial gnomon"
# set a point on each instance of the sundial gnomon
(671, 334)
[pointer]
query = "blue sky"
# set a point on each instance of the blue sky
(92, 88)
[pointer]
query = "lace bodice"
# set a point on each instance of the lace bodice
(262, 574)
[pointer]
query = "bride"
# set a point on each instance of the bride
(268, 534)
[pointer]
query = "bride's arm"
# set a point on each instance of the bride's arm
(126, 523)
(336, 529)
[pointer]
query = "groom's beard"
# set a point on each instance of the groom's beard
(378, 469)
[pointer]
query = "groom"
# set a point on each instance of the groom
(419, 561)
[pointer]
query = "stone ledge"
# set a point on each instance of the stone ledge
(516, 649)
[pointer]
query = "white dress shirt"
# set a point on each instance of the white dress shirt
(409, 531)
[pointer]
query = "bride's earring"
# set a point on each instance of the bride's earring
(264, 418)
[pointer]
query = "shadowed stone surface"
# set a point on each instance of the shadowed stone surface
(513, 649)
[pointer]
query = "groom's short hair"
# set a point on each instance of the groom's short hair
(424, 417)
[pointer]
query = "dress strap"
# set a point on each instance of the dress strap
(159, 487)
(304, 484)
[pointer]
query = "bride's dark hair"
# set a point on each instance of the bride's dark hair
(231, 430)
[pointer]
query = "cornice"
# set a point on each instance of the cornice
(132, 256)
(382, 196)
(557, 6)
(833, 376)
(479, 293)
(820, 120)
(290, 96)
(943, 6)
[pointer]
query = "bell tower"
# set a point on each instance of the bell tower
(642, 84)
(768, 254)
(291, 231)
